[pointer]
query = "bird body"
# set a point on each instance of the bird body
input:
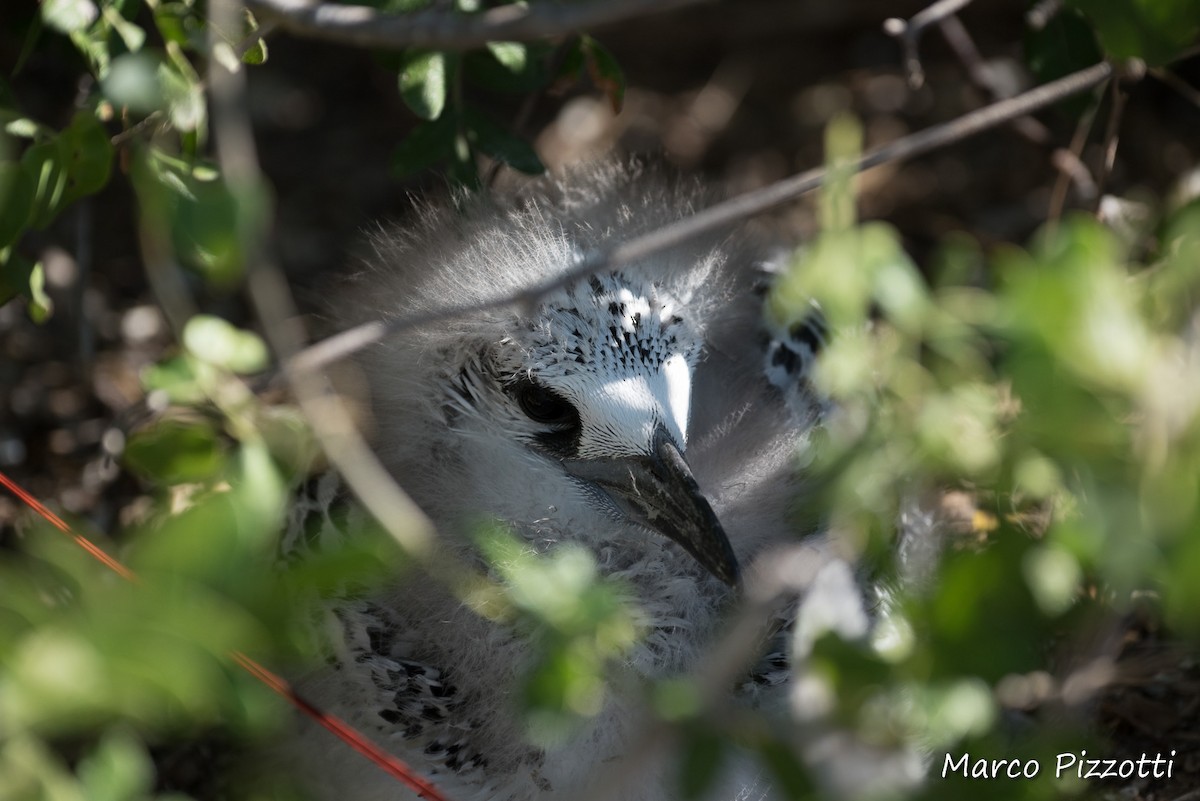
(644, 415)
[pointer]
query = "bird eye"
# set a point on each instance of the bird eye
(544, 405)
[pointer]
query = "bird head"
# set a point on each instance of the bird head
(597, 384)
(569, 419)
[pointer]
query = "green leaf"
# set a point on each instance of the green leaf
(132, 35)
(89, 155)
(45, 163)
(184, 97)
(1065, 44)
(256, 53)
(1156, 31)
(488, 137)
(499, 68)
(117, 770)
(201, 215)
(176, 378)
(423, 83)
(175, 451)
(703, 753)
(512, 55)
(40, 305)
(132, 82)
(15, 270)
(16, 202)
(218, 342)
(69, 16)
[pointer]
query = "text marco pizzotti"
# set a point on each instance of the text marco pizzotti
(1065, 764)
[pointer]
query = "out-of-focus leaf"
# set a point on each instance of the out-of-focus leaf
(218, 342)
(176, 378)
(1065, 44)
(423, 82)
(504, 71)
(201, 215)
(40, 305)
(184, 97)
(512, 55)
(703, 755)
(16, 200)
(118, 769)
(46, 164)
(256, 53)
(786, 770)
(69, 16)
(490, 138)
(132, 35)
(1156, 31)
(89, 155)
(173, 451)
(132, 82)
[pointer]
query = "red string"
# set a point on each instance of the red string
(344, 731)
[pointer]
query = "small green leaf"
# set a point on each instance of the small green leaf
(45, 163)
(40, 305)
(175, 451)
(132, 35)
(184, 98)
(511, 54)
(218, 342)
(24, 128)
(132, 82)
(423, 82)
(490, 138)
(69, 16)
(89, 154)
(176, 378)
(255, 53)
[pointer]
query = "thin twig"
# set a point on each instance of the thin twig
(718, 216)
(440, 29)
(909, 34)
(1058, 196)
(271, 297)
(960, 41)
(1112, 138)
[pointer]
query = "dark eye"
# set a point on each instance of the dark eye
(544, 405)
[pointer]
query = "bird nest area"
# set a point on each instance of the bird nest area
(738, 93)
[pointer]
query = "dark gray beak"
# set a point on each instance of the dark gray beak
(659, 492)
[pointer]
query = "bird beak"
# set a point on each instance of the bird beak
(659, 491)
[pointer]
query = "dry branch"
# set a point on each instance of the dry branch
(438, 29)
(731, 211)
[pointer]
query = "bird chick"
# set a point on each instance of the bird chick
(643, 414)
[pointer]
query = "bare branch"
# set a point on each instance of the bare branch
(721, 215)
(363, 26)
(909, 34)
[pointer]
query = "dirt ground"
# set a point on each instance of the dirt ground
(737, 91)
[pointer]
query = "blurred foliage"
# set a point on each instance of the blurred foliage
(1059, 381)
